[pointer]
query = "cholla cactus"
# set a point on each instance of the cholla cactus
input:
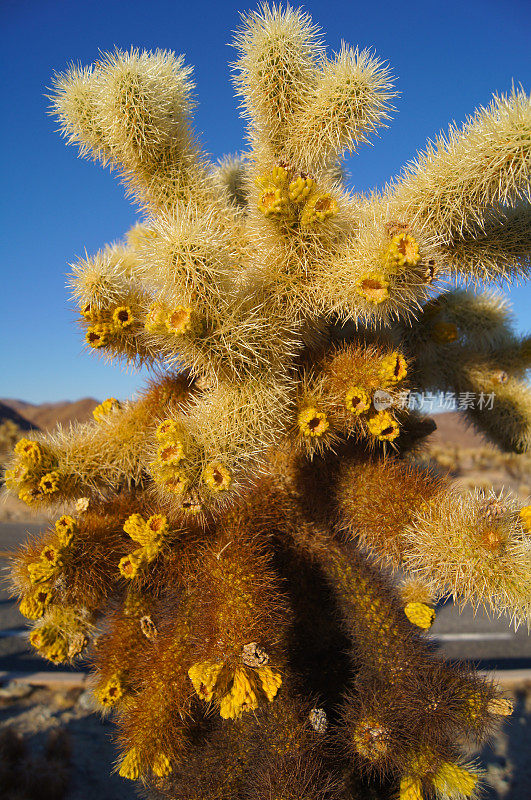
(227, 540)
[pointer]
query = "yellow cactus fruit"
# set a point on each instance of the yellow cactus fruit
(131, 564)
(403, 251)
(40, 571)
(29, 451)
(179, 320)
(29, 496)
(57, 651)
(273, 202)
(65, 527)
(312, 422)
(318, 208)
(454, 782)
(109, 694)
(38, 638)
(50, 555)
(278, 176)
(108, 405)
(92, 313)
(357, 400)
(34, 605)
(29, 608)
(155, 318)
(525, 518)
(420, 614)
(445, 332)
(204, 675)
(146, 533)
(168, 429)
(300, 189)
(500, 707)
(373, 288)
(130, 765)
(176, 483)
(135, 527)
(393, 369)
(157, 524)
(48, 563)
(217, 477)
(240, 698)
(50, 643)
(271, 681)
(383, 426)
(98, 335)
(171, 452)
(49, 483)
(122, 317)
(410, 788)
(243, 692)
(161, 765)
(15, 476)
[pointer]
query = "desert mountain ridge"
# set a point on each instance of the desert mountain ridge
(45, 416)
(8, 413)
(453, 430)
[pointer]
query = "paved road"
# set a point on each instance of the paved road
(15, 652)
(491, 643)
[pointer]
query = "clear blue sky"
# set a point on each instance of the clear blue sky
(448, 58)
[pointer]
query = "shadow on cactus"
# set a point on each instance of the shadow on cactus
(224, 545)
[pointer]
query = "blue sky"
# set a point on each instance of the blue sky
(447, 57)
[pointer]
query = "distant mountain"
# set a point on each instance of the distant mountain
(8, 412)
(452, 430)
(47, 415)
